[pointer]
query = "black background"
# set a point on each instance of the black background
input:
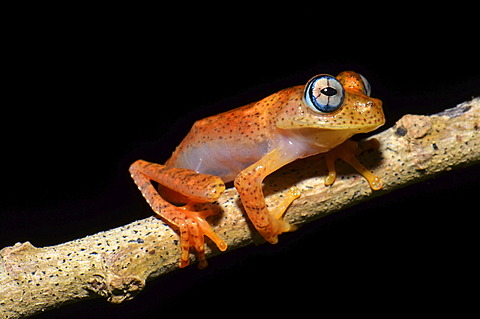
(91, 90)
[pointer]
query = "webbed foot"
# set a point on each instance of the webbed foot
(193, 227)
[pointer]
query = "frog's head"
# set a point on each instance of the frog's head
(341, 103)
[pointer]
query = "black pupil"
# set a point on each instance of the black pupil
(328, 91)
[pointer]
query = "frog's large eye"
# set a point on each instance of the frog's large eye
(323, 94)
(367, 89)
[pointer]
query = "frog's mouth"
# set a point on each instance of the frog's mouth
(350, 127)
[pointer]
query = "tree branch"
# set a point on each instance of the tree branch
(116, 264)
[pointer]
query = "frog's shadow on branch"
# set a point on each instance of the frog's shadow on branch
(315, 166)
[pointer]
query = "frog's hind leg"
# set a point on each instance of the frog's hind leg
(188, 184)
(192, 188)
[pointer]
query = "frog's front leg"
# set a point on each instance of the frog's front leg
(189, 187)
(346, 152)
(249, 185)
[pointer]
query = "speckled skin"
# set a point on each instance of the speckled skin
(245, 145)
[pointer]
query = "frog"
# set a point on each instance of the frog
(248, 143)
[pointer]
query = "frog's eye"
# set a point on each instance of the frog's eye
(323, 94)
(367, 89)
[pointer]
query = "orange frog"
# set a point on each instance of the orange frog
(248, 143)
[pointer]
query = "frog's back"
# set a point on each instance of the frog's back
(227, 143)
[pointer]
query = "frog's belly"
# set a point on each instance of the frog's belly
(219, 159)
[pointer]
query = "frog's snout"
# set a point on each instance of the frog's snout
(377, 109)
(369, 111)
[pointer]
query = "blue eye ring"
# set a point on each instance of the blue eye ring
(324, 94)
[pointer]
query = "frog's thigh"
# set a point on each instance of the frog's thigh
(249, 185)
(192, 186)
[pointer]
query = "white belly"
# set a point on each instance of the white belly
(221, 159)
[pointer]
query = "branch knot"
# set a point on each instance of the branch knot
(116, 288)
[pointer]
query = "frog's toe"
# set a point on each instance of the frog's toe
(284, 227)
(278, 227)
(292, 194)
(193, 228)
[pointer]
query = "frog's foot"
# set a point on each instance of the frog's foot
(280, 225)
(193, 227)
(192, 224)
(346, 152)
